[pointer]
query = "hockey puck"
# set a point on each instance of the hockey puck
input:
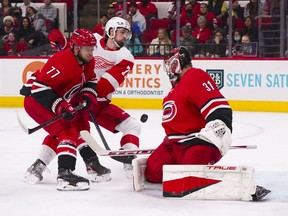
(144, 118)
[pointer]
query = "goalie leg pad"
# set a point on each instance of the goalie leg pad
(205, 182)
(139, 179)
(139, 166)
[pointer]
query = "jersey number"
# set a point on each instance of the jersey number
(54, 72)
(208, 86)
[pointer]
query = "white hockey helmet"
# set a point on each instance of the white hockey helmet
(115, 23)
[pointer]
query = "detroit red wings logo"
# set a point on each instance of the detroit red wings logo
(169, 111)
(102, 63)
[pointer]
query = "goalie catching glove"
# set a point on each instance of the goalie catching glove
(217, 133)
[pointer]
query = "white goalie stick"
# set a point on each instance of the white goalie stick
(102, 152)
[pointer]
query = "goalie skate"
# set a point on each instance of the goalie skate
(34, 173)
(260, 193)
(97, 172)
(68, 181)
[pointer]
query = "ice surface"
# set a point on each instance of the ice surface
(18, 151)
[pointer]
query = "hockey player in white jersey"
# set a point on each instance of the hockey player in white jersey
(113, 63)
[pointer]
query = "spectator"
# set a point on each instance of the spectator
(216, 47)
(119, 8)
(37, 20)
(212, 21)
(24, 5)
(253, 9)
(137, 17)
(25, 30)
(172, 9)
(2, 51)
(195, 7)
(50, 13)
(58, 41)
(236, 43)
(237, 23)
(13, 47)
(100, 28)
(5, 10)
(159, 46)
(250, 29)
(219, 8)
(202, 32)
(110, 11)
(148, 10)
(188, 16)
(188, 41)
(272, 7)
(134, 45)
(134, 26)
(8, 26)
(248, 48)
(237, 10)
(16, 13)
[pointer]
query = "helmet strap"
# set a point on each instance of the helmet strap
(116, 43)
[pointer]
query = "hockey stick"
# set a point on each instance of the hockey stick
(120, 153)
(127, 159)
(40, 126)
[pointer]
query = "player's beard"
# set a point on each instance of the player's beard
(119, 43)
(82, 59)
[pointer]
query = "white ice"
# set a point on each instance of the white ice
(19, 150)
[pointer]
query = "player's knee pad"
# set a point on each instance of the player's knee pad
(129, 126)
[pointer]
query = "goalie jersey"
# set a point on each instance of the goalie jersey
(193, 102)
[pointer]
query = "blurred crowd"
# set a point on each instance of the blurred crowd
(204, 26)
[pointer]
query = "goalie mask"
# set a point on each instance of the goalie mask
(175, 61)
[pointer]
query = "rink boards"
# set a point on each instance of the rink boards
(248, 84)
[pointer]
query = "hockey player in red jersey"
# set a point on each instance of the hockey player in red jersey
(197, 120)
(65, 81)
(194, 105)
(113, 63)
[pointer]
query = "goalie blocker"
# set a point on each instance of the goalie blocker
(202, 182)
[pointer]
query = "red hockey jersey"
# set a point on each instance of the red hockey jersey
(193, 102)
(61, 76)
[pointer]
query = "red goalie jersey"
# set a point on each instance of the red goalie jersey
(193, 102)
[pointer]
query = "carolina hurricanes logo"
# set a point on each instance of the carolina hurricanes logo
(102, 63)
(72, 91)
(169, 111)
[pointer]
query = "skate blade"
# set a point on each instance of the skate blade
(94, 177)
(65, 186)
(31, 179)
(265, 196)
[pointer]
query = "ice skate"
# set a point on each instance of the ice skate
(261, 193)
(34, 173)
(97, 172)
(68, 181)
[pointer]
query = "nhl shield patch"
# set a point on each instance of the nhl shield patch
(218, 77)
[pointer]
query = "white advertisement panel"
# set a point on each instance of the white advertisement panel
(257, 80)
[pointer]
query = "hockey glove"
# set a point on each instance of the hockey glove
(89, 100)
(65, 109)
(217, 133)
